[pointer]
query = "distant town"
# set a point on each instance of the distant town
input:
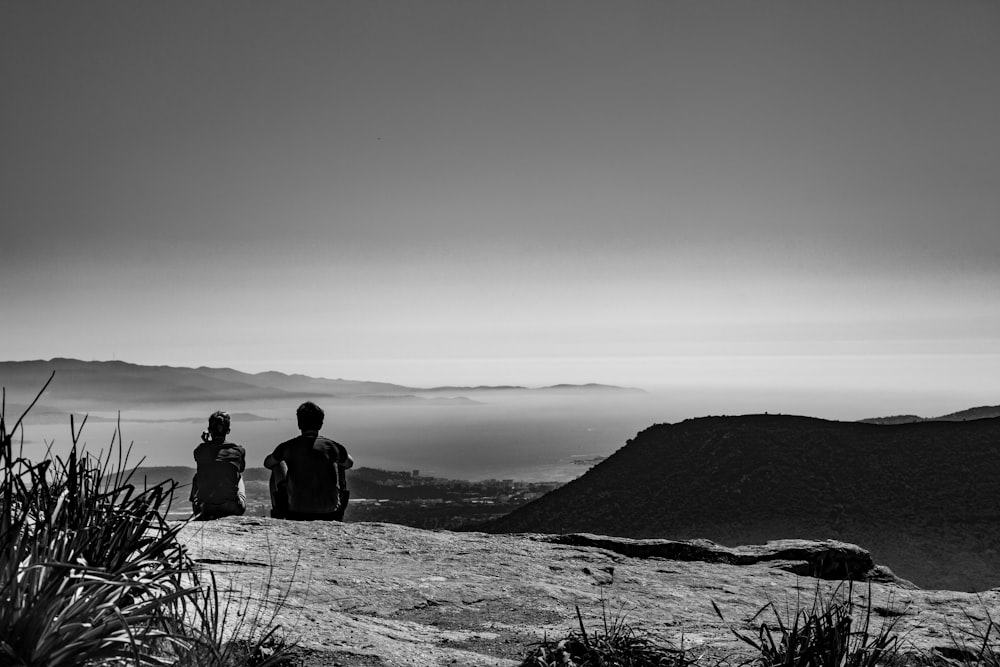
(431, 502)
(404, 497)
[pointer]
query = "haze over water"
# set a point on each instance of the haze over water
(536, 437)
(532, 440)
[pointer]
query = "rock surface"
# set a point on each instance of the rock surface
(826, 559)
(371, 594)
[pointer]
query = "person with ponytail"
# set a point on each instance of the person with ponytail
(217, 489)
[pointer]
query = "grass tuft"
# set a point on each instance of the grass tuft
(618, 644)
(832, 632)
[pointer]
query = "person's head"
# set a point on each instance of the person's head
(310, 416)
(218, 424)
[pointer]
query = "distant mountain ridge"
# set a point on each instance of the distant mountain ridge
(119, 383)
(982, 412)
(919, 495)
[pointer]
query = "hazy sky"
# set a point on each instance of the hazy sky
(793, 195)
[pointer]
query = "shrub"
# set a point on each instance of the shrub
(833, 632)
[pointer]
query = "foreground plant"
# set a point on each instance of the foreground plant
(977, 645)
(92, 574)
(254, 639)
(619, 645)
(833, 632)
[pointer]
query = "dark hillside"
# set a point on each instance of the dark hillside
(923, 497)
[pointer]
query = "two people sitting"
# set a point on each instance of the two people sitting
(308, 480)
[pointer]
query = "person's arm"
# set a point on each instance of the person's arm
(274, 458)
(344, 459)
(194, 480)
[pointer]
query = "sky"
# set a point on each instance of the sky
(777, 195)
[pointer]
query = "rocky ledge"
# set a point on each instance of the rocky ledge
(372, 594)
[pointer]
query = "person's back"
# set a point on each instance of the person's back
(217, 489)
(313, 479)
(308, 471)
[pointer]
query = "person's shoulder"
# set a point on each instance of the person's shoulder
(289, 442)
(334, 446)
(281, 447)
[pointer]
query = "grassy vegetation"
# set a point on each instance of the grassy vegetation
(617, 645)
(833, 631)
(977, 645)
(92, 574)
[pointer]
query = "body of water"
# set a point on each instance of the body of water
(538, 440)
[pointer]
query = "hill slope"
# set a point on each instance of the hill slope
(923, 496)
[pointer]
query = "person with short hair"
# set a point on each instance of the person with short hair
(217, 489)
(313, 466)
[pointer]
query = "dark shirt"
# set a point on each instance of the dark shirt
(315, 472)
(217, 481)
